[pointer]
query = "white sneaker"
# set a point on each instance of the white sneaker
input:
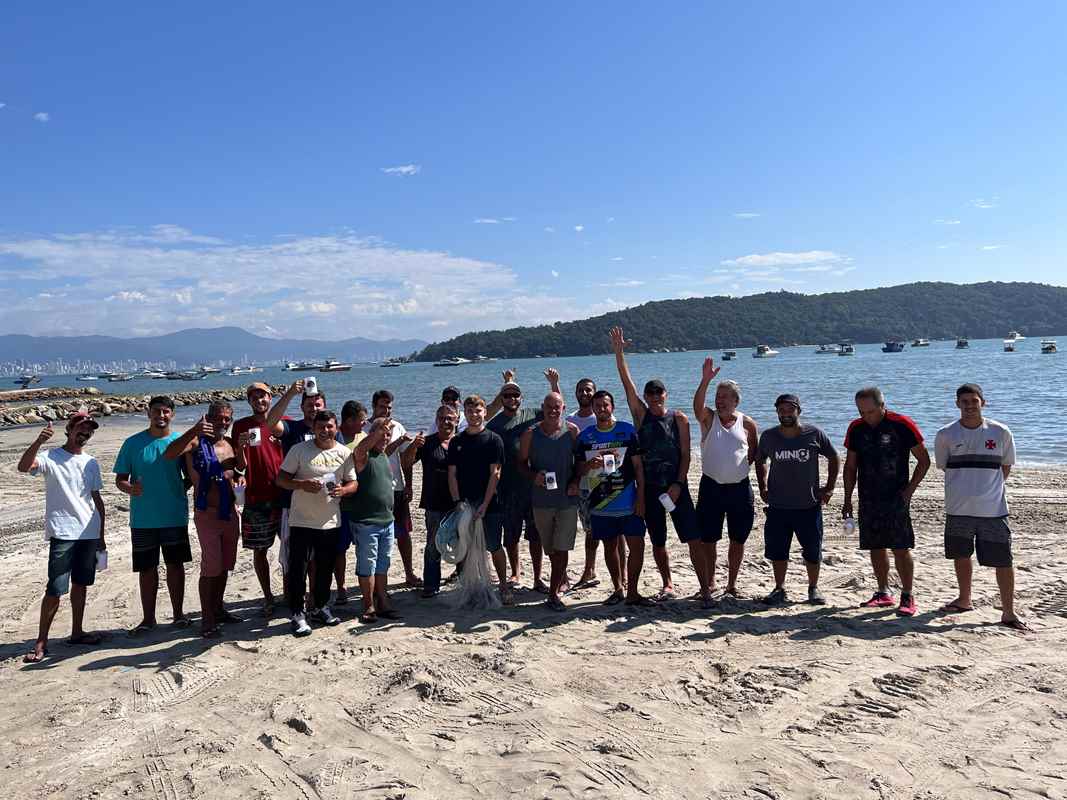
(300, 625)
(324, 616)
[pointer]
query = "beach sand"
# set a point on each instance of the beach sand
(672, 702)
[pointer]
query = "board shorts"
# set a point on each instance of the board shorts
(684, 516)
(70, 560)
(782, 524)
(260, 525)
(519, 514)
(886, 525)
(989, 536)
(732, 503)
(558, 527)
(148, 543)
(606, 529)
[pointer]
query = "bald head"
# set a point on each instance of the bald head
(552, 407)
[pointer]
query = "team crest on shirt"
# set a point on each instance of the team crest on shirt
(990, 444)
(887, 439)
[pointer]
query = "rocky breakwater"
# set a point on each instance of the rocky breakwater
(58, 404)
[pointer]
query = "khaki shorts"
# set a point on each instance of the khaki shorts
(558, 527)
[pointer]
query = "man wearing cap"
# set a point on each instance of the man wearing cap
(514, 489)
(880, 445)
(664, 437)
(73, 523)
(450, 397)
(159, 512)
(976, 454)
(259, 455)
(793, 494)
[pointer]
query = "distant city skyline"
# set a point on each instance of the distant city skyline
(320, 175)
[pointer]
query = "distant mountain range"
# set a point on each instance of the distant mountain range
(911, 310)
(197, 346)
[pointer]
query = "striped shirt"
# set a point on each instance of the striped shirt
(972, 459)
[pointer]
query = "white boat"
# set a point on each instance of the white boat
(456, 361)
(1015, 336)
(920, 343)
(209, 370)
(827, 349)
(392, 362)
(962, 343)
(729, 355)
(1048, 346)
(846, 349)
(764, 351)
(27, 380)
(333, 365)
(87, 378)
(121, 377)
(302, 366)
(1009, 345)
(483, 359)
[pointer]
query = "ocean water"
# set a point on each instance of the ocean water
(1025, 390)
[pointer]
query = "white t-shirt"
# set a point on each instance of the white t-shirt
(394, 460)
(582, 422)
(972, 459)
(69, 481)
(307, 461)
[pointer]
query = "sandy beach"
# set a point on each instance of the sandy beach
(672, 702)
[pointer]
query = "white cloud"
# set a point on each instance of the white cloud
(611, 219)
(946, 246)
(843, 271)
(983, 202)
(781, 259)
(555, 273)
(992, 246)
(161, 279)
(946, 222)
(579, 228)
(486, 221)
(746, 215)
(42, 116)
(623, 284)
(3, 105)
(816, 268)
(617, 258)
(403, 169)
(549, 229)
(510, 219)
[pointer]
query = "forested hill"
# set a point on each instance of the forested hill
(930, 310)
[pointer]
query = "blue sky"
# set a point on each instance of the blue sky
(422, 170)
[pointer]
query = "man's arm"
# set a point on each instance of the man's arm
(761, 475)
(277, 411)
(680, 482)
(851, 469)
(490, 490)
(497, 402)
(287, 480)
(832, 468)
(639, 481)
(453, 483)
(523, 462)
(184, 443)
(411, 455)
(922, 466)
(552, 376)
(29, 458)
(704, 415)
(752, 430)
(190, 470)
(98, 501)
(637, 405)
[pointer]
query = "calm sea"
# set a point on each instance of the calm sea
(1025, 389)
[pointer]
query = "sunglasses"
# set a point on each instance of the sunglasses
(511, 396)
(655, 391)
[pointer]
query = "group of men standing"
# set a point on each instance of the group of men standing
(318, 485)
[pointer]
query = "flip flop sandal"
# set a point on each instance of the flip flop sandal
(31, 658)
(540, 588)
(211, 633)
(555, 605)
(643, 602)
(368, 619)
(1017, 625)
(589, 584)
(142, 628)
(664, 594)
(181, 622)
(88, 639)
(615, 598)
(952, 608)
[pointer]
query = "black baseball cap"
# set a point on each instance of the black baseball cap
(450, 390)
(787, 398)
(655, 386)
(970, 388)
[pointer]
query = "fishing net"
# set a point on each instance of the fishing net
(474, 588)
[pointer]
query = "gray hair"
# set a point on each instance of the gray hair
(733, 386)
(871, 393)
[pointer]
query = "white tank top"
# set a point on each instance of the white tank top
(724, 451)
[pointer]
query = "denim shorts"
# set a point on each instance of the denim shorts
(70, 559)
(374, 546)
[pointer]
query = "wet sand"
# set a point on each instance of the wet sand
(672, 702)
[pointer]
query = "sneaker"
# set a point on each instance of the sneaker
(775, 598)
(815, 597)
(881, 600)
(907, 605)
(324, 616)
(300, 625)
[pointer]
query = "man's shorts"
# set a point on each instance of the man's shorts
(583, 513)
(402, 524)
(493, 526)
(260, 524)
(518, 513)
(347, 537)
(558, 528)
(886, 525)
(374, 548)
(148, 542)
(684, 516)
(729, 502)
(990, 536)
(610, 528)
(70, 560)
(783, 523)
(218, 542)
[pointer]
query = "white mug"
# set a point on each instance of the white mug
(665, 499)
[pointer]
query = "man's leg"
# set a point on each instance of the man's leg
(148, 582)
(537, 561)
(623, 565)
(558, 560)
(813, 573)
(262, 568)
(176, 588)
(711, 561)
(501, 565)
(779, 568)
(49, 606)
(880, 565)
(296, 572)
(964, 576)
(1006, 584)
(340, 563)
(611, 561)
(77, 611)
(905, 569)
(431, 556)
(206, 586)
(698, 556)
(636, 546)
(366, 588)
(511, 548)
(735, 555)
(403, 544)
(589, 570)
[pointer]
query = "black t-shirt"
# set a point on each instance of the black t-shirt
(510, 431)
(882, 455)
(434, 459)
(471, 454)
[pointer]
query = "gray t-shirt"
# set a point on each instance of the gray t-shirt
(793, 482)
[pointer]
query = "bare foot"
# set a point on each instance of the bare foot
(40, 650)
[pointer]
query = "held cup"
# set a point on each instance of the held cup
(101, 560)
(239, 494)
(550, 481)
(311, 386)
(329, 482)
(666, 502)
(255, 437)
(609, 463)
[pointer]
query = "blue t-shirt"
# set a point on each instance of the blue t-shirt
(163, 503)
(614, 494)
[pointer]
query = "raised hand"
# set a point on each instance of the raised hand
(418, 441)
(709, 370)
(508, 375)
(552, 375)
(297, 386)
(204, 428)
(618, 341)
(46, 433)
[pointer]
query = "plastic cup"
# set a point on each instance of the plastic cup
(666, 502)
(101, 560)
(550, 481)
(609, 463)
(311, 386)
(239, 494)
(329, 482)
(255, 437)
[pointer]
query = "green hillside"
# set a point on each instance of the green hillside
(930, 310)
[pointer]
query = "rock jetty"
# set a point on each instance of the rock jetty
(57, 404)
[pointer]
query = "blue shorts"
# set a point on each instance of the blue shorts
(346, 538)
(608, 528)
(70, 560)
(783, 523)
(374, 546)
(493, 525)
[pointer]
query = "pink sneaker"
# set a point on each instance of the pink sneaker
(879, 600)
(907, 606)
